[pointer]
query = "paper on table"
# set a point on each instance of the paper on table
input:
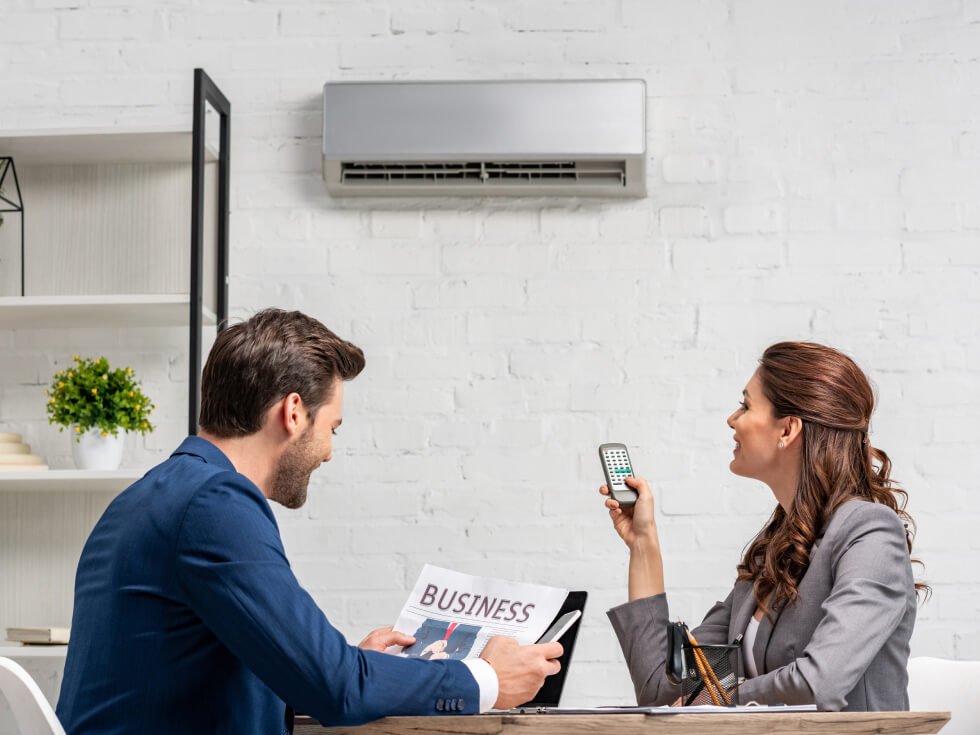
(666, 710)
(742, 708)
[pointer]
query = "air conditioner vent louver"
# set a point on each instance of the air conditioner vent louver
(484, 173)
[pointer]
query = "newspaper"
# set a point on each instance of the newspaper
(453, 615)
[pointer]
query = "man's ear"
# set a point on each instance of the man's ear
(293, 414)
(791, 430)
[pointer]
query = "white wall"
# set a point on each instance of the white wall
(813, 174)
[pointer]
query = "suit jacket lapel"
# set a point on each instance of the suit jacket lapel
(743, 605)
(766, 626)
(762, 637)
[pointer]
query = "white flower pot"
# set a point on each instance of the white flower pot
(92, 451)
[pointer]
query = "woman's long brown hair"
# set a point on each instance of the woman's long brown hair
(834, 400)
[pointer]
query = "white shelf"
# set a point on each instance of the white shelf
(154, 310)
(68, 480)
(66, 147)
(15, 651)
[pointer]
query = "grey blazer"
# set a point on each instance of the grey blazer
(843, 646)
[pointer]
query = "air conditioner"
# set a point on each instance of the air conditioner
(509, 138)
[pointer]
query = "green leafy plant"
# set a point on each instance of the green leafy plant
(90, 395)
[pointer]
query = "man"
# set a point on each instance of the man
(187, 616)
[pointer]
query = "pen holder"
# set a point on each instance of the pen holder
(710, 675)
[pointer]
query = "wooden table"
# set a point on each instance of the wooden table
(789, 723)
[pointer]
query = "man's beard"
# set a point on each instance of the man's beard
(292, 478)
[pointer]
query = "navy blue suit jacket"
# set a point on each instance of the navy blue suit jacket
(188, 619)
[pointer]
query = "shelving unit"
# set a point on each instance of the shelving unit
(136, 310)
(95, 145)
(15, 651)
(116, 235)
(114, 204)
(69, 480)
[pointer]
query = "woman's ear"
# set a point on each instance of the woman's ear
(792, 428)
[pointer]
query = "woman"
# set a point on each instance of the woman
(824, 598)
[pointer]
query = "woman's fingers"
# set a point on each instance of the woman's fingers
(621, 519)
(641, 487)
(638, 484)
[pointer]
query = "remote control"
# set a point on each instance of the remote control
(617, 467)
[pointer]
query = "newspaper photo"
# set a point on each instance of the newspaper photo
(453, 615)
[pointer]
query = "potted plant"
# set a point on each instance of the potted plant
(94, 402)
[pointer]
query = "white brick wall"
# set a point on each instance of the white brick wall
(812, 175)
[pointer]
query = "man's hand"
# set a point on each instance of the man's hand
(520, 670)
(380, 639)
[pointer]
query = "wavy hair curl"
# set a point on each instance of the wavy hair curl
(834, 400)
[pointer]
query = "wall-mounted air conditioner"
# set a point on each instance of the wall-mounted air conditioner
(511, 138)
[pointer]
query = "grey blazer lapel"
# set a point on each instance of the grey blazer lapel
(766, 626)
(762, 637)
(743, 605)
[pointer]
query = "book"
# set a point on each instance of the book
(14, 448)
(15, 455)
(21, 459)
(21, 462)
(42, 636)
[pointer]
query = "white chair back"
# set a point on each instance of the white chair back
(940, 685)
(33, 714)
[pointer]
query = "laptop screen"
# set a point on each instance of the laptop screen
(550, 694)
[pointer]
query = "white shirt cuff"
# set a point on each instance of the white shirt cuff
(486, 680)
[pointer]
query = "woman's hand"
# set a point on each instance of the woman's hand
(638, 529)
(636, 524)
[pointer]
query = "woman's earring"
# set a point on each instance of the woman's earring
(780, 445)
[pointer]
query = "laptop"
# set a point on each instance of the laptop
(550, 694)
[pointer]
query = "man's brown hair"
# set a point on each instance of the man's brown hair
(257, 362)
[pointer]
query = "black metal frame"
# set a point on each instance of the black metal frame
(207, 92)
(13, 207)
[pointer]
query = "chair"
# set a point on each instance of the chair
(33, 714)
(940, 685)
